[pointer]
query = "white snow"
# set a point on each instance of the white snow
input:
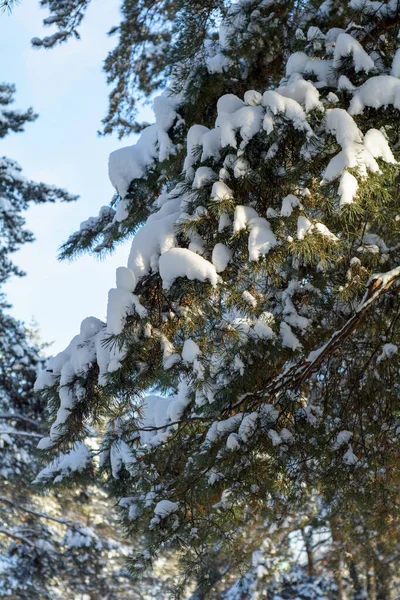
(120, 454)
(376, 92)
(248, 426)
(164, 508)
(242, 216)
(376, 143)
(203, 176)
(180, 262)
(288, 203)
(388, 350)
(302, 91)
(274, 437)
(129, 163)
(343, 437)
(232, 443)
(190, 351)
(349, 458)
(261, 238)
(221, 256)
(304, 226)
(76, 460)
(347, 188)
(347, 45)
(296, 63)
(220, 191)
(289, 340)
(395, 71)
(249, 298)
(252, 98)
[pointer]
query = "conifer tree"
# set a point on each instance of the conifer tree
(260, 298)
(61, 544)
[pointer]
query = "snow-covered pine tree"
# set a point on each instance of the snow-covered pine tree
(57, 545)
(260, 297)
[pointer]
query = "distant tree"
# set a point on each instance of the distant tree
(61, 544)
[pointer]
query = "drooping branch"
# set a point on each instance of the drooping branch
(39, 514)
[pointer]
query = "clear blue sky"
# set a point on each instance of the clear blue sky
(67, 87)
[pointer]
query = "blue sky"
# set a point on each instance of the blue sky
(67, 87)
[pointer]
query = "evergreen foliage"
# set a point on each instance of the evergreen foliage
(260, 300)
(62, 544)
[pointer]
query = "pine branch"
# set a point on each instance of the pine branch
(21, 433)
(18, 417)
(295, 376)
(39, 514)
(16, 536)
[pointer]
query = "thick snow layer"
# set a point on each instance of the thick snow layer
(76, 460)
(304, 226)
(121, 303)
(190, 351)
(154, 238)
(388, 350)
(296, 63)
(180, 262)
(131, 162)
(232, 443)
(304, 92)
(220, 191)
(125, 279)
(289, 340)
(376, 92)
(164, 508)
(275, 103)
(120, 455)
(220, 428)
(376, 143)
(246, 120)
(288, 204)
(248, 426)
(323, 230)
(347, 45)
(193, 139)
(274, 437)
(221, 257)
(252, 98)
(347, 188)
(229, 104)
(243, 214)
(153, 416)
(375, 7)
(249, 298)
(262, 330)
(261, 238)
(349, 458)
(203, 176)
(323, 69)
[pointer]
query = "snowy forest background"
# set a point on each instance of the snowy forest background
(229, 429)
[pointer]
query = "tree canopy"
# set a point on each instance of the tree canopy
(248, 368)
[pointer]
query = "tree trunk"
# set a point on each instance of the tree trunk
(371, 590)
(355, 578)
(337, 562)
(307, 538)
(383, 580)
